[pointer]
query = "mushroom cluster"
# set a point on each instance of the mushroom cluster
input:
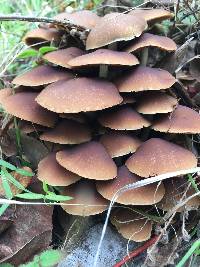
(108, 113)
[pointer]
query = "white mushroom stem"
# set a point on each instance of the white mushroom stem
(144, 56)
(103, 70)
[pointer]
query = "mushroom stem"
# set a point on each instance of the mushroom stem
(144, 56)
(103, 70)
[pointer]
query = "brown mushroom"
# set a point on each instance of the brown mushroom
(86, 200)
(124, 118)
(144, 79)
(181, 120)
(157, 156)
(81, 94)
(146, 195)
(52, 173)
(4, 93)
(67, 132)
(42, 75)
(89, 160)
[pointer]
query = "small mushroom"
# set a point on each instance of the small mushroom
(24, 106)
(157, 156)
(156, 102)
(124, 118)
(119, 144)
(89, 160)
(42, 75)
(131, 225)
(86, 200)
(52, 173)
(181, 120)
(144, 79)
(81, 94)
(67, 132)
(148, 39)
(146, 195)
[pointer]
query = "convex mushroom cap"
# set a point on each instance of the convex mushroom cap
(145, 195)
(4, 93)
(181, 120)
(61, 57)
(104, 56)
(86, 200)
(115, 27)
(24, 106)
(42, 75)
(144, 79)
(52, 173)
(67, 132)
(156, 102)
(124, 118)
(131, 225)
(119, 144)
(89, 160)
(81, 94)
(148, 39)
(157, 156)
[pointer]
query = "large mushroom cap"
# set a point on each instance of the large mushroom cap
(144, 79)
(84, 18)
(131, 225)
(156, 102)
(4, 93)
(148, 39)
(115, 27)
(125, 118)
(86, 200)
(24, 106)
(146, 195)
(42, 75)
(61, 57)
(157, 156)
(40, 37)
(81, 94)
(152, 15)
(104, 56)
(119, 144)
(52, 173)
(89, 160)
(67, 132)
(181, 120)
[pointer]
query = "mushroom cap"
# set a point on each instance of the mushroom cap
(131, 225)
(144, 79)
(156, 102)
(115, 27)
(52, 173)
(42, 75)
(84, 18)
(87, 201)
(28, 127)
(4, 93)
(39, 37)
(148, 39)
(24, 106)
(104, 56)
(81, 94)
(157, 156)
(119, 144)
(181, 120)
(89, 160)
(175, 191)
(67, 132)
(146, 195)
(61, 57)
(152, 15)
(125, 118)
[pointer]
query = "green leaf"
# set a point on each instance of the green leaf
(28, 53)
(50, 258)
(3, 208)
(24, 172)
(6, 185)
(7, 165)
(30, 196)
(55, 197)
(45, 49)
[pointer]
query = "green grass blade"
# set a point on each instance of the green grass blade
(192, 181)
(7, 165)
(55, 197)
(30, 196)
(3, 208)
(24, 172)
(6, 185)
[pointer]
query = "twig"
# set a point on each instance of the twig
(137, 251)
